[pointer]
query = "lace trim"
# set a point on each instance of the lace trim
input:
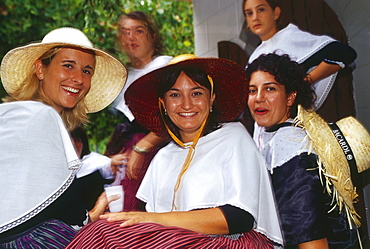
(41, 207)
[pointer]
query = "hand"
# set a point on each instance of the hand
(101, 205)
(134, 164)
(131, 218)
(117, 162)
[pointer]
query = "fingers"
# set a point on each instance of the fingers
(129, 218)
(113, 198)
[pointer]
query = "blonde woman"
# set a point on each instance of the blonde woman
(52, 85)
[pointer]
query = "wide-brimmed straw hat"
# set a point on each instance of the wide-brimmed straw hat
(109, 77)
(340, 146)
(228, 77)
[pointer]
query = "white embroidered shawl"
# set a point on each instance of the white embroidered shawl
(37, 160)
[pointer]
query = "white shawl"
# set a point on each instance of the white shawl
(278, 147)
(37, 159)
(226, 169)
(299, 45)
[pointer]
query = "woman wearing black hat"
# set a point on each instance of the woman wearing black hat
(208, 187)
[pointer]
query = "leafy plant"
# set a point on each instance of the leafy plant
(25, 21)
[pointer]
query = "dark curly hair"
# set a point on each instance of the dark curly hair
(288, 73)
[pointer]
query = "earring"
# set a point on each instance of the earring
(41, 76)
(165, 112)
(211, 110)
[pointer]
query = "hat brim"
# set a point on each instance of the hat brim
(108, 80)
(231, 91)
(335, 165)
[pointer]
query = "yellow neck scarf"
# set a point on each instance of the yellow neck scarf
(191, 152)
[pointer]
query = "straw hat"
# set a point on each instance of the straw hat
(228, 77)
(109, 77)
(338, 146)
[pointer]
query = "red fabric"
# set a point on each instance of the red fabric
(130, 187)
(101, 234)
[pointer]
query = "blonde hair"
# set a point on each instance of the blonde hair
(30, 89)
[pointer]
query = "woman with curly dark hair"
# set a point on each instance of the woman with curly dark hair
(308, 217)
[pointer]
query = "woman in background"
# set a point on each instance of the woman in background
(140, 40)
(321, 56)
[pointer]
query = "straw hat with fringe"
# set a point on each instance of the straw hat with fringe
(109, 77)
(347, 143)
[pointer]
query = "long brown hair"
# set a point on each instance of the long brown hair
(150, 24)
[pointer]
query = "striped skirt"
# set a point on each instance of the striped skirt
(48, 234)
(103, 234)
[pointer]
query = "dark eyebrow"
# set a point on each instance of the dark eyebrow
(267, 83)
(74, 62)
(137, 27)
(194, 88)
(88, 66)
(261, 5)
(69, 61)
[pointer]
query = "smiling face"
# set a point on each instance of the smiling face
(268, 102)
(136, 40)
(188, 105)
(67, 79)
(261, 18)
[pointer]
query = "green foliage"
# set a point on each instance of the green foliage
(25, 21)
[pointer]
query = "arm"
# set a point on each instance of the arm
(315, 244)
(330, 59)
(322, 71)
(206, 221)
(136, 159)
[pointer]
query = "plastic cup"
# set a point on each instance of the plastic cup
(117, 205)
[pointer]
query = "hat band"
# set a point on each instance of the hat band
(348, 153)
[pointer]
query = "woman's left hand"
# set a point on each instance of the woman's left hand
(131, 218)
(101, 205)
(207, 221)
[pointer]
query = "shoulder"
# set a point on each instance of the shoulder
(27, 109)
(161, 60)
(231, 131)
(231, 136)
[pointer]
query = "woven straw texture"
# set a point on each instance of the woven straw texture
(332, 160)
(359, 140)
(107, 82)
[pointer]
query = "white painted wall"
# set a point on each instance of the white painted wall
(218, 20)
